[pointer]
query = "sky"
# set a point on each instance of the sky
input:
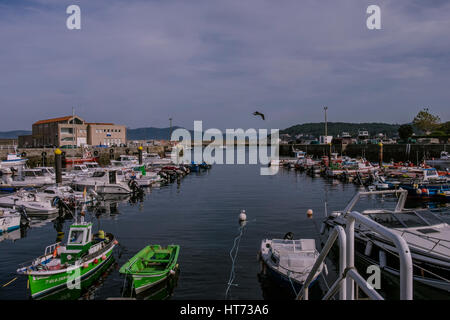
(138, 63)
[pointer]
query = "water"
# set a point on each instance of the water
(201, 215)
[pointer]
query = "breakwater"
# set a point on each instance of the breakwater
(396, 152)
(35, 155)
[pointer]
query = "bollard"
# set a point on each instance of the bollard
(44, 158)
(58, 166)
(381, 154)
(140, 155)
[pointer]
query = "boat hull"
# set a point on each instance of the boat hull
(42, 285)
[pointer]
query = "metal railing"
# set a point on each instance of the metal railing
(348, 275)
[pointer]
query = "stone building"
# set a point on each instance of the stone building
(74, 131)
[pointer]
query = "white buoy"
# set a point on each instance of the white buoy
(242, 216)
(309, 213)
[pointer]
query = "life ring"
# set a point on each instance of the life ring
(95, 153)
(23, 154)
(44, 154)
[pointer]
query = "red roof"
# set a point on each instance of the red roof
(54, 120)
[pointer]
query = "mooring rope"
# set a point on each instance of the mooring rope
(236, 243)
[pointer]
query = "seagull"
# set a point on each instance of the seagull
(256, 113)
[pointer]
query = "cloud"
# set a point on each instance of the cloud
(139, 62)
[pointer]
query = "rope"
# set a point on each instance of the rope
(236, 243)
(292, 285)
(8, 283)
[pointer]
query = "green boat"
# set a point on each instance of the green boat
(66, 266)
(151, 265)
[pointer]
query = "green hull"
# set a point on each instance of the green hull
(88, 285)
(46, 284)
(151, 266)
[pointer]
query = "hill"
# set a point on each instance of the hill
(149, 133)
(336, 128)
(13, 134)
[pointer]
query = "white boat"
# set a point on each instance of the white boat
(30, 201)
(103, 181)
(289, 262)
(9, 221)
(13, 161)
(427, 236)
(29, 177)
(67, 193)
(443, 160)
(154, 159)
(125, 161)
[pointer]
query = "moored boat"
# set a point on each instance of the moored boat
(151, 265)
(64, 266)
(289, 261)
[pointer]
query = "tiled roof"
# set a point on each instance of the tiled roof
(54, 120)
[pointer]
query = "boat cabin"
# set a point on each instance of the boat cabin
(78, 242)
(430, 174)
(77, 168)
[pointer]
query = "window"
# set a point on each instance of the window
(66, 131)
(76, 237)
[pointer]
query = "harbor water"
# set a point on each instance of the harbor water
(201, 215)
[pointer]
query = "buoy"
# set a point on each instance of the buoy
(172, 272)
(242, 216)
(85, 265)
(116, 242)
(103, 257)
(309, 213)
(95, 261)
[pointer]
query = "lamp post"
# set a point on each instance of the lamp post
(170, 131)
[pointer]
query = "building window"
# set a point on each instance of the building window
(66, 131)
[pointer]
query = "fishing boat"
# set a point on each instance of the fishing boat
(63, 266)
(289, 261)
(13, 160)
(151, 265)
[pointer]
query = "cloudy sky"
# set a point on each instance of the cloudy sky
(138, 63)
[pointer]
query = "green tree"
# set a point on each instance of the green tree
(425, 121)
(405, 131)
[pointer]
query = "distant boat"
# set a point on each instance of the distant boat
(13, 160)
(443, 160)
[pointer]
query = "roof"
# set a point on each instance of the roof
(54, 120)
(100, 123)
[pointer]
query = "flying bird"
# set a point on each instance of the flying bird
(256, 113)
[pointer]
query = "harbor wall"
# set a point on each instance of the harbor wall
(34, 155)
(396, 152)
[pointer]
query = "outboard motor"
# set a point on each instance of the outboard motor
(289, 236)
